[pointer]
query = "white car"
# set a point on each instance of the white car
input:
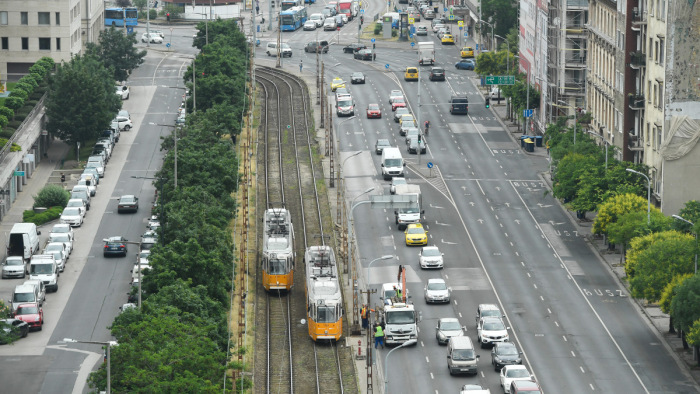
(143, 257)
(91, 187)
(490, 330)
(62, 228)
(395, 181)
(154, 38)
(14, 267)
(73, 216)
(317, 18)
(437, 291)
(430, 257)
(153, 223)
(395, 94)
(121, 123)
(310, 25)
(52, 247)
(122, 91)
(158, 32)
(510, 373)
(59, 257)
(66, 239)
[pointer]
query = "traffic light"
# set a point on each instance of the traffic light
(420, 138)
(168, 16)
(488, 103)
(374, 46)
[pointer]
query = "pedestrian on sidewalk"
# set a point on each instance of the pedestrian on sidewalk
(301, 65)
(378, 336)
(63, 178)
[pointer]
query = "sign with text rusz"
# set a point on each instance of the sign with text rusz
(500, 80)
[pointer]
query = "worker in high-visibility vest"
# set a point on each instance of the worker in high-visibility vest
(378, 336)
(365, 316)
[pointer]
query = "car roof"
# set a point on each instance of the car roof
(436, 280)
(115, 238)
(526, 384)
(491, 319)
(448, 319)
(127, 196)
(430, 247)
(515, 366)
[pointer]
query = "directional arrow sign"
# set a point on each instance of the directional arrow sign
(500, 80)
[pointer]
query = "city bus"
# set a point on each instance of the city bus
(288, 4)
(293, 18)
(117, 16)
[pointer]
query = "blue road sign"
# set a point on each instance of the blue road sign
(430, 164)
(445, 9)
(373, 40)
(362, 11)
(527, 113)
(386, 65)
(460, 28)
(413, 43)
(167, 45)
(477, 47)
(129, 29)
(452, 17)
(466, 34)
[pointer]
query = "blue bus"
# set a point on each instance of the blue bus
(288, 4)
(117, 16)
(293, 18)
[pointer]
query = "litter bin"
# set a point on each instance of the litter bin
(538, 141)
(522, 140)
(529, 145)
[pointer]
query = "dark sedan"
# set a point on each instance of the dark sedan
(352, 48)
(504, 353)
(128, 203)
(115, 246)
(365, 54)
(357, 77)
(13, 329)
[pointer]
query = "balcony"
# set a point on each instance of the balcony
(575, 61)
(639, 19)
(638, 60)
(636, 101)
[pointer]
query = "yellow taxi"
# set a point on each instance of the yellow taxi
(337, 83)
(467, 52)
(416, 235)
(447, 39)
(406, 117)
(411, 74)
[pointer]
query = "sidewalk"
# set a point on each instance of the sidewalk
(47, 171)
(652, 312)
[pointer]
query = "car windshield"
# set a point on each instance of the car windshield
(358, 75)
(494, 326)
(374, 107)
(325, 314)
(450, 326)
(507, 350)
(71, 211)
(491, 312)
(463, 354)
(127, 200)
(400, 317)
(431, 252)
(437, 286)
(41, 269)
(398, 100)
(392, 162)
(55, 253)
(14, 262)
(27, 310)
(56, 247)
(415, 230)
(64, 237)
(402, 111)
(409, 210)
(286, 46)
(517, 373)
(73, 203)
(344, 103)
(23, 297)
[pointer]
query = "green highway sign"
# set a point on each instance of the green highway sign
(500, 80)
(18, 173)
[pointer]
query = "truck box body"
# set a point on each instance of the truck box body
(23, 240)
(406, 216)
(346, 7)
(426, 53)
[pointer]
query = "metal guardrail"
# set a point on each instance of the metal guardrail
(17, 132)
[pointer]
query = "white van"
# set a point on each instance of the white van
(392, 163)
(461, 356)
(25, 293)
(23, 241)
(43, 267)
(285, 49)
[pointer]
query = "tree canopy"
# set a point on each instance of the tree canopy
(685, 307)
(613, 208)
(117, 52)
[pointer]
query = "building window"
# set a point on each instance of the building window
(44, 43)
(44, 18)
(660, 99)
(5, 43)
(661, 51)
(3, 18)
(25, 43)
(58, 43)
(58, 18)
(24, 18)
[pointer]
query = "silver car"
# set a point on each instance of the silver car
(446, 328)
(437, 291)
(430, 257)
(14, 267)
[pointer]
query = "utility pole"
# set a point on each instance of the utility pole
(318, 77)
(369, 366)
(279, 41)
(148, 23)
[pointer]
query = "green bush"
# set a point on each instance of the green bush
(24, 111)
(378, 28)
(51, 196)
(8, 113)
(14, 124)
(17, 91)
(3, 121)
(50, 214)
(7, 133)
(24, 85)
(153, 14)
(14, 102)
(394, 32)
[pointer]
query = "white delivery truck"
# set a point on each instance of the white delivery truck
(426, 53)
(406, 216)
(400, 318)
(23, 240)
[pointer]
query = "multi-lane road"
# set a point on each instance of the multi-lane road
(506, 241)
(92, 288)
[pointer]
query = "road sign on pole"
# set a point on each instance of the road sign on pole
(500, 80)
(18, 173)
(527, 113)
(373, 40)
(386, 65)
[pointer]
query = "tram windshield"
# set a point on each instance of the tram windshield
(277, 267)
(325, 314)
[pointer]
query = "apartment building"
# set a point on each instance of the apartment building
(31, 29)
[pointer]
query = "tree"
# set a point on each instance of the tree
(14, 103)
(690, 212)
(667, 297)
(81, 101)
(117, 52)
(141, 5)
(123, 3)
(569, 172)
(634, 224)
(656, 260)
(503, 14)
(221, 29)
(685, 307)
(613, 208)
(51, 196)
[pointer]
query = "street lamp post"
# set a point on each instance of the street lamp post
(369, 282)
(350, 260)
(483, 21)
(648, 193)
(108, 345)
(507, 55)
(696, 238)
(386, 362)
